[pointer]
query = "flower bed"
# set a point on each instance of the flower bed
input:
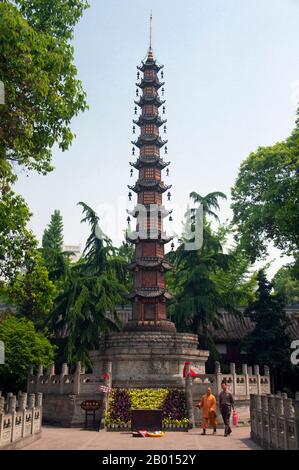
(171, 401)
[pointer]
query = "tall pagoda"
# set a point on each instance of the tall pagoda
(149, 266)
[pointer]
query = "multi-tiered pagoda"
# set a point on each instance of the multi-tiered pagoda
(149, 295)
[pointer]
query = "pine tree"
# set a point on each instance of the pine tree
(56, 260)
(269, 343)
(53, 235)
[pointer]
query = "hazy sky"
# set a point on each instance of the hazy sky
(232, 84)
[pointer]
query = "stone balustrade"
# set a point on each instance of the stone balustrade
(20, 419)
(240, 385)
(275, 421)
(50, 383)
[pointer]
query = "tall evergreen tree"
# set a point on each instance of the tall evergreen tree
(86, 308)
(198, 298)
(269, 343)
(53, 235)
(56, 260)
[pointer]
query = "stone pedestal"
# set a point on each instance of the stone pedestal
(149, 359)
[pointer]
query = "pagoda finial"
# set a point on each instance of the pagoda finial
(150, 55)
(151, 19)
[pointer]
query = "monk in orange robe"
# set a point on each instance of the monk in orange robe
(208, 406)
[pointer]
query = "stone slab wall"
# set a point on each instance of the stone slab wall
(275, 421)
(20, 419)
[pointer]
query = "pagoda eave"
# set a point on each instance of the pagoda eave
(161, 239)
(153, 185)
(152, 161)
(149, 119)
(150, 82)
(149, 140)
(150, 294)
(150, 65)
(158, 263)
(144, 100)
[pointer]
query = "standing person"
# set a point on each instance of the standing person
(226, 404)
(208, 406)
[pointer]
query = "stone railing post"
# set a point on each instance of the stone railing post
(38, 404)
(12, 403)
(296, 403)
(50, 374)
(265, 422)
(31, 401)
(267, 375)
(218, 376)
(22, 407)
(273, 422)
(77, 378)
(232, 368)
(245, 373)
(8, 395)
(22, 401)
(31, 406)
(30, 377)
(40, 370)
(38, 400)
(2, 403)
(189, 396)
(63, 373)
(258, 378)
(258, 400)
(107, 383)
(253, 418)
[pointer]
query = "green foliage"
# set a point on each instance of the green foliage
(265, 199)
(269, 342)
(42, 92)
(16, 241)
(23, 347)
(58, 17)
(53, 235)
(125, 253)
(56, 261)
(91, 290)
(286, 284)
(203, 280)
(32, 292)
(238, 281)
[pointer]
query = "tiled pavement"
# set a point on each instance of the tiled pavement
(54, 438)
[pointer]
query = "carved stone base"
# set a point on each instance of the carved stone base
(149, 358)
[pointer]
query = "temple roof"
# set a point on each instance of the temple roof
(149, 161)
(152, 184)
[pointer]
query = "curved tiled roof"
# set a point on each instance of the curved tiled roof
(235, 327)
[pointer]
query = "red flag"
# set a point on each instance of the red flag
(191, 371)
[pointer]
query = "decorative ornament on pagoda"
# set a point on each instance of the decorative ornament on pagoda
(149, 295)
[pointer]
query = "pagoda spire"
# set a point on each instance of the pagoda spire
(150, 53)
(149, 294)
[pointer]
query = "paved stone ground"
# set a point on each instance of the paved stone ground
(54, 438)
